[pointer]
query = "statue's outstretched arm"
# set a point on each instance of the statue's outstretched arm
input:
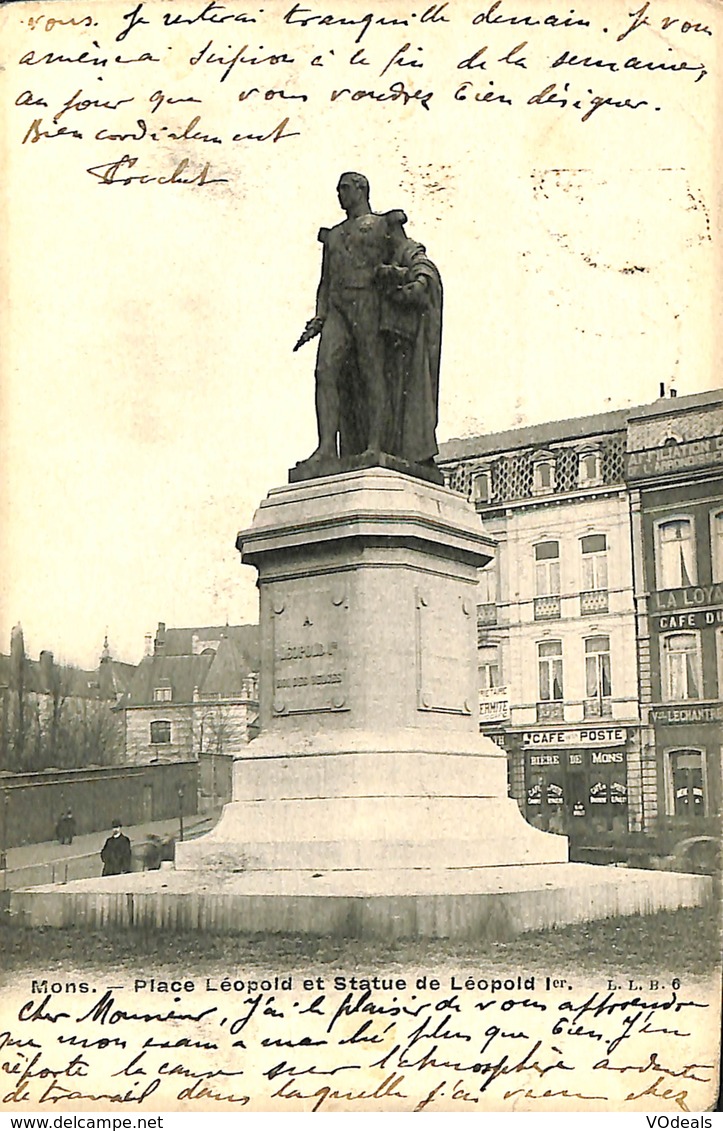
(314, 325)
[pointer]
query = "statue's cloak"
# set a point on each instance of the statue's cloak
(412, 324)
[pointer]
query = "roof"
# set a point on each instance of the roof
(675, 406)
(73, 683)
(182, 673)
(227, 671)
(222, 673)
(115, 678)
(188, 641)
(571, 428)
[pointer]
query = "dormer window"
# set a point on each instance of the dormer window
(482, 486)
(590, 468)
(163, 693)
(543, 473)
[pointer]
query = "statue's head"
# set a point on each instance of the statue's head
(352, 187)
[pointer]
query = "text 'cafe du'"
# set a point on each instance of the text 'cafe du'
(576, 776)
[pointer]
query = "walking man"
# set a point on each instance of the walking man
(116, 852)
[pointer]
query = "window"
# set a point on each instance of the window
(487, 586)
(543, 473)
(594, 562)
(549, 654)
(675, 565)
(589, 473)
(487, 594)
(686, 771)
(489, 667)
(162, 694)
(681, 666)
(160, 732)
(597, 676)
(716, 545)
(482, 487)
(543, 476)
(547, 569)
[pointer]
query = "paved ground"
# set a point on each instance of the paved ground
(51, 862)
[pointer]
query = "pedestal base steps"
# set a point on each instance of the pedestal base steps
(459, 904)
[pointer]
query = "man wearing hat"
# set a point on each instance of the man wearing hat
(116, 852)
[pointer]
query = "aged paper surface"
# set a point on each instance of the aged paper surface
(167, 169)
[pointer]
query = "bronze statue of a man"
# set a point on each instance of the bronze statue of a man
(373, 316)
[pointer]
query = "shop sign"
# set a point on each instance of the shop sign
(607, 757)
(574, 759)
(674, 457)
(713, 713)
(587, 736)
(604, 793)
(701, 619)
(687, 599)
(544, 759)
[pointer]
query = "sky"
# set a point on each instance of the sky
(150, 396)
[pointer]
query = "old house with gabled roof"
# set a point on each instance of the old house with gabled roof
(196, 692)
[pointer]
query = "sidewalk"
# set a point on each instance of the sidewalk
(51, 862)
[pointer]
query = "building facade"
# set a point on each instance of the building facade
(195, 693)
(600, 623)
(556, 620)
(674, 469)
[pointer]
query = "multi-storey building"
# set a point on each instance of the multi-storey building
(675, 474)
(558, 679)
(600, 623)
(195, 693)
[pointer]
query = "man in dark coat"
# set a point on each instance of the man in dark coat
(69, 827)
(116, 852)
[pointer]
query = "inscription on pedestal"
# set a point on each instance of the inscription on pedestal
(443, 627)
(310, 651)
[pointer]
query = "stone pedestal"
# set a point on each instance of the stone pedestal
(369, 756)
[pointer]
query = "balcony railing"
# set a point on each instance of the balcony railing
(547, 608)
(494, 705)
(598, 708)
(594, 601)
(486, 617)
(552, 711)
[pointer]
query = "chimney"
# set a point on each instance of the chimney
(148, 650)
(662, 388)
(46, 666)
(159, 644)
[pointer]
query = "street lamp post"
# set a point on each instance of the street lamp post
(4, 844)
(180, 813)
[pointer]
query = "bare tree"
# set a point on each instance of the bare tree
(18, 672)
(59, 681)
